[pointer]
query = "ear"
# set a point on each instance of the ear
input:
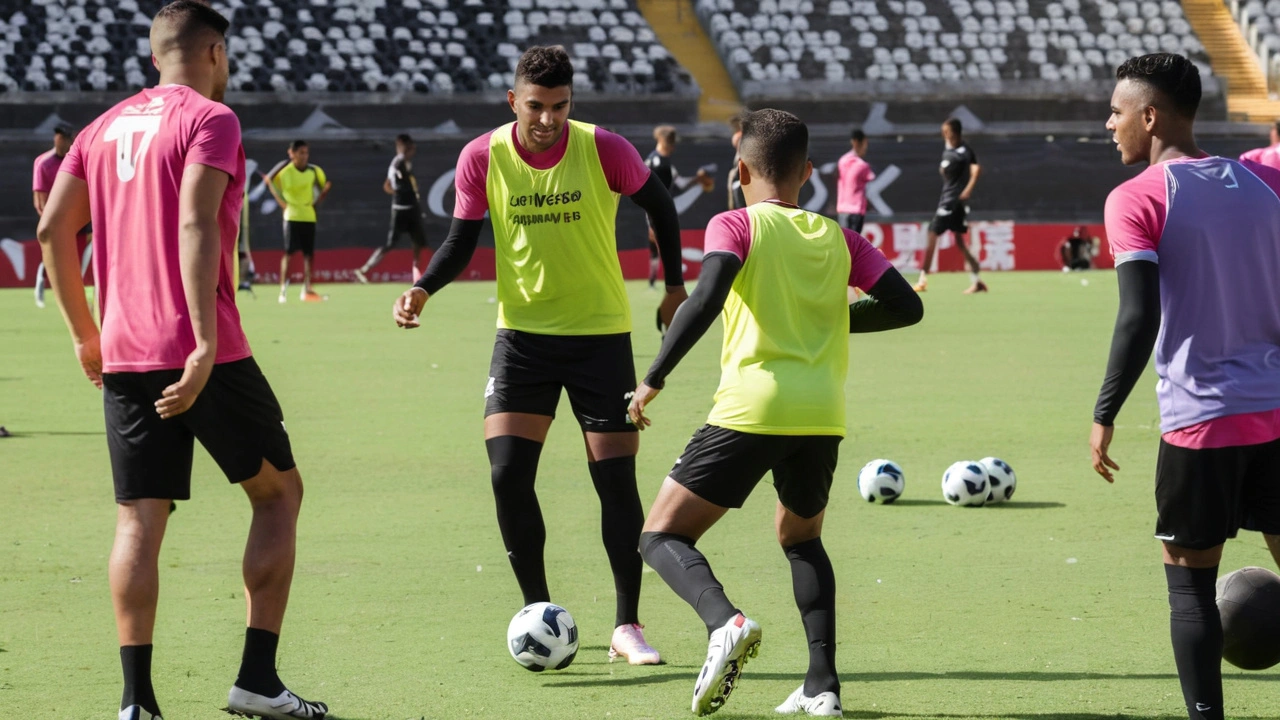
(808, 171)
(1150, 115)
(511, 100)
(155, 63)
(744, 173)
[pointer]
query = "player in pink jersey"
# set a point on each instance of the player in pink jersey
(851, 183)
(1269, 155)
(162, 176)
(1197, 247)
(43, 172)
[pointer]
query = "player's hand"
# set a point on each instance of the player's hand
(964, 196)
(674, 297)
(180, 396)
(1100, 442)
(89, 353)
(409, 306)
(639, 399)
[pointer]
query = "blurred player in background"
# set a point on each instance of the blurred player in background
(851, 184)
(1199, 277)
(244, 259)
(406, 209)
(299, 187)
(1078, 250)
(659, 161)
(1269, 155)
(732, 185)
(960, 171)
(43, 174)
(163, 175)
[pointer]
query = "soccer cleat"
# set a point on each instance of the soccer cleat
(825, 704)
(628, 643)
(137, 712)
(360, 276)
(40, 297)
(921, 286)
(977, 287)
(282, 299)
(282, 707)
(727, 652)
(311, 296)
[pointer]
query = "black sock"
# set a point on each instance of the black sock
(679, 563)
(814, 584)
(621, 519)
(258, 664)
(1196, 629)
(135, 660)
(514, 464)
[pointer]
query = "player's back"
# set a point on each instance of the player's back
(133, 158)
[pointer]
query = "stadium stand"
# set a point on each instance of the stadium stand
(424, 46)
(1260, 22)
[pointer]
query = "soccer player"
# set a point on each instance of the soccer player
(1269, 155)
(780, 406)
(406, 209)
(162, 174)
(851, 184)
(299, 187)
(1199, 276)
(736, 199)
(551, 187)
(1077, 251)
(44, 172)
(659, 161)
(960, 171)
(244, 259)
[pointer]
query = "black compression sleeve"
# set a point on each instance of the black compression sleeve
(654, 199)
(1137, 325)
(451, 259)
(893, 304)
(695, 315)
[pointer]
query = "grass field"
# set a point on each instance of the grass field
(1050, 607)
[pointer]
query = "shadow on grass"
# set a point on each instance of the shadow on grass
(1015, 505)
(57, 433)
(908, 502)
(876, 715)
(592, 680)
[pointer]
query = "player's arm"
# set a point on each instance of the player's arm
(974, 171)
(39, 198)
(891, 303)
(387, 188)
(66, 211)
(654, 199)
(274, 186)
(325, 186)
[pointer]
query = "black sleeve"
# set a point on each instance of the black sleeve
(451, 259)
(695, 314)
(892, 304)
(1137, 325)
(657, 202)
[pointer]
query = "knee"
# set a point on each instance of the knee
(513, 462)
(276, 490)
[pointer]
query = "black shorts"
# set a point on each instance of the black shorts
(236, 418)
(407, 221)
(528, 371)
(723, 466)
(953, 218)
(1205, 496)
(300, 237)
(851, 221)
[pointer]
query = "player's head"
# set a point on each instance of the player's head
(952, 131)
(774, 150)
(62, 137)
(405, 145)
(189, 46)
(735, 125)
(1275, 133)
(858, 140)
(299, 153)
(1156, 96)
(542, 97)
(666, 137)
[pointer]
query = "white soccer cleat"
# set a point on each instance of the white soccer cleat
(727, 652)
(826, 704)
(282, 707)
(282, 299)
(628, 643)
(137, 712)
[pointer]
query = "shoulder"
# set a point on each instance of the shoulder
(611, 140)
(478, 148)
(1267, 174)
(1146, 185)
(729, 232)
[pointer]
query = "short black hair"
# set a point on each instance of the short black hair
(775, 144)
(546, 66)
(956, 126)
(666, 133)
(404, 139)
(297, 145)
(735, 122)
(1173, 76)
(1276, 126)
(189, 18)
(63, 130)
(857, 135)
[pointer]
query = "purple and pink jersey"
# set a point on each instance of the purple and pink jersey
(731, 232)
(851, 184)
(132, 158)
(45, 171)
(1269, 156)
(623, 168)
(1213, 226)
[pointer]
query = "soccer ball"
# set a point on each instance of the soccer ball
(1001, 482)
(541, 636)
(881, 481)
(965, 483)
(1249, 603)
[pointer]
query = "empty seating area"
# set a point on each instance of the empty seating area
(436, 46)
(942, 40)
(1265, 16)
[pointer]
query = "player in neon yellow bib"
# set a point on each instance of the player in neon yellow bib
(781, 276)
(551, 188)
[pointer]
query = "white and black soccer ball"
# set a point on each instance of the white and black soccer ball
(543, 636)
(1001, 481)
(881, 481)
(965, 483)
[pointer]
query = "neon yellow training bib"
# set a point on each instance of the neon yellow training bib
(786, 327)
(557, 255)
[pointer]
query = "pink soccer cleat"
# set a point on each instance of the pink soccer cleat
(628, 642)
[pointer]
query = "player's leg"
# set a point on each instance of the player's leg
(1273, 544)
(926, 263)
(971, 262)
(1195, 627)
(134, 574)
(290, 247)
(416, 227)
(307, 231)
(40, 285)
(381, 252)
(653, 259)
(856, 222)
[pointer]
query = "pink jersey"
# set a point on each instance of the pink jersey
(132, 158)
(623, 168)
(731, 232)
(1269, 156)
(851, 184)
(1136, 216)
(45, 170)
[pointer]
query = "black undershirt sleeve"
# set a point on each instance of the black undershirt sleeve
(892, 304)
(654, 199)
(695, 314)
(1137, 325)
(451, 259)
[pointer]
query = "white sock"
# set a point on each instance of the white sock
(974, 277)
(922, 275)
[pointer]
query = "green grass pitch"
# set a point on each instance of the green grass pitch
(1051, 607)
